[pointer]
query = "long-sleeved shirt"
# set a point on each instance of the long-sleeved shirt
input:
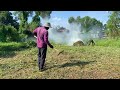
(42, 37)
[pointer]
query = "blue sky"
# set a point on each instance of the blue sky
(61, 17)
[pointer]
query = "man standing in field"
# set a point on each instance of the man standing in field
(41, 34)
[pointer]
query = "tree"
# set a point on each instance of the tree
(36, 19)
(23, 17)
(87, 23)
(6, 18)
(43, 14)
(35, 22)
(71, 20)
(8, 27)
(78, 20)
(113, 24)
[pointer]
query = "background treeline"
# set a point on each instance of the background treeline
(14, 25)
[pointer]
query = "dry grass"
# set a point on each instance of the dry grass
(85, 62)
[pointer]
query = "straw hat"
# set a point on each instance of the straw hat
(48, 25)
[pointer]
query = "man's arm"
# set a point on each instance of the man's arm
(46, 39)
(35, 33)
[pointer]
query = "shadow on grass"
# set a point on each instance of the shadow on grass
(7, 51)
(73, 63)
(76, 63)
(7, 54)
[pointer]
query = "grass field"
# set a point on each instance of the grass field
(86, 62)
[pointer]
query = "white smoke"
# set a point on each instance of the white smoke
(75, 33)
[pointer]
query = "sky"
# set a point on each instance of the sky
(61, 17)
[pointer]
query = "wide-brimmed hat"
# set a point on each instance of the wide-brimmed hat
(48, 25)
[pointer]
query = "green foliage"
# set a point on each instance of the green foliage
(26, 27)
(8, 33)
(11, 46)
(9, 49)
(78, 20)
(8, 27)
(6, 18)
(28, 33)
(12, 34)
(113, 24)
(87, 23)
(43, 14)
(30, 44)
(71, 20)
(2, 33)
(23, 17)
(35, 23)
(11, 30)
(108, 42)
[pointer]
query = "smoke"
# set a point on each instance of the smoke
(71, 33)
(74, 34)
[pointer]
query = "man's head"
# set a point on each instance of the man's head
(47, 26)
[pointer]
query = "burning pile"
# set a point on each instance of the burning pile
(71, 36)
(78, 43)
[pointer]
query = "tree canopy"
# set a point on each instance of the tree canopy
(87, 23)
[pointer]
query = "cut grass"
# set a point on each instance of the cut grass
(85, 62)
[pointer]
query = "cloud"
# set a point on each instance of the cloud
(59, 21)
(56, 19)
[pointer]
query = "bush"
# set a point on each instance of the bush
(8, 33)
(28, 33)
(12, 34)
(30, 44)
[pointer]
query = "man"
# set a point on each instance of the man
(41, 34)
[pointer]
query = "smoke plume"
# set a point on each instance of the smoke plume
(71, 33)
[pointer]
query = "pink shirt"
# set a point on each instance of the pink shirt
(42, 37)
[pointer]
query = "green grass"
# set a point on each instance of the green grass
(108, 42)
(8, 49)
(85, 62)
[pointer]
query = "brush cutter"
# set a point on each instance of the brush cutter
(59, 52)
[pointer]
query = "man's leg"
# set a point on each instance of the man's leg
(39, 57)
(43, 57)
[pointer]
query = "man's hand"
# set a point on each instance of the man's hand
(51, 46)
